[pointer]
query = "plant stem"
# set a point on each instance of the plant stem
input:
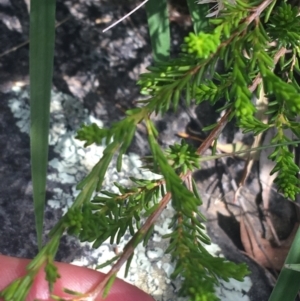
(129, 248)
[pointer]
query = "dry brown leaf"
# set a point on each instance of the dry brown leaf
(262, 250)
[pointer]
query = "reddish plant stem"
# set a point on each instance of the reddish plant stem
(129, 248)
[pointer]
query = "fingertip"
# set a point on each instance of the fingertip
(75, 278)
(83, 279)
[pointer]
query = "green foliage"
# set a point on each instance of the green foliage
(51, 274)
(157, 16)
(287, 179)
(288, 278)
(287, 20)
(198, 13)
(42, 34)
(17, 289)
(257, 43)
(183, 157)
(248, 56)
(112, 214)
(201, 45)
(199, 268)
(91, 134)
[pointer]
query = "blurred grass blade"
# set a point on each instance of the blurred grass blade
(294, 267)
(198, 14)
(42, 33)
(288, 283)
(159, 29)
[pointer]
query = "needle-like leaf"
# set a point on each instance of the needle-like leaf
(198, 14)
(159, 29)
(288, 283)
(42, 33)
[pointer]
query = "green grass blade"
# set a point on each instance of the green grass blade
(198, 14)
(288, 283)
(42, 34)
(159, 29)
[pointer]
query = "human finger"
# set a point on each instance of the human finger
(75, 278)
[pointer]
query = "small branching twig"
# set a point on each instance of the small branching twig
(138, 237)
